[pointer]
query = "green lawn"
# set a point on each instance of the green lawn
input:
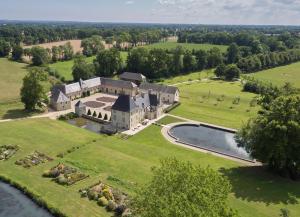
(169, 120)
(188, 46)
(281, 75)
(255, 192)
(205, 74)
(11, 76)
(64, 69)
(199, 101)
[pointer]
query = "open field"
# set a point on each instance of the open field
(188, 46)
(125, 164)
(64, 68)
(75, 44)
(11, 76)
(212, 102)
(281, 75)
(205, 74)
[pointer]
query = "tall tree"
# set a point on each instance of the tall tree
(189, 62)
(137, 60)
(81, 69)
(68, 51)
(108, 62)
(17, 53)
(201, 57)
(233, 53)
(273, 137)
(39, 56)
(181, 189)
(4, 48)
(177, 61)
(33, 93)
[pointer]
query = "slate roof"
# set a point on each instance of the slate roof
(124, 103)
(132, 76)
(158, 87)
(90, 83)
(80, 104)
(117, 83)
(59, 97)
(72, 88)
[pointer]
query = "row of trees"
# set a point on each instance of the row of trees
(157, 63)
(257, 42)
(269, 60)
(31, 34)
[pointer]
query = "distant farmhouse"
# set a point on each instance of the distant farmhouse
(137, 99)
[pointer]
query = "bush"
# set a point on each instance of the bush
(111, 206)
(102, 201)
(105, 117)
(89, 112)
(95, 114)
(100, 115)
(120, 210)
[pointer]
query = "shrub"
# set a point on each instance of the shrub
(95, 114)
(111, 206)
(107, 194)
(120, 210)
(102, 201)
(105, 117)
(89, 112)
(100, 115)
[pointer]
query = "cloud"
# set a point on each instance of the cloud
(129, 2)
(230, 11)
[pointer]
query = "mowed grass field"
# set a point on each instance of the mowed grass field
(281, 75)
(64, 69)
(188, 46)
(11, 78)
(128, 164)
(211, 101)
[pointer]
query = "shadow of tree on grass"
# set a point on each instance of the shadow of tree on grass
(259, 185)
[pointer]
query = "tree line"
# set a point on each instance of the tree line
(32, 34)
(254, 42)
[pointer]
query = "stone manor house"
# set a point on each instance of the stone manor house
(137, 99)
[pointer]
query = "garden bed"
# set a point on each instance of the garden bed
(112, 199)
(33, 159)
(106, 99)
(94, 104)
(7, 151)
(64, 175)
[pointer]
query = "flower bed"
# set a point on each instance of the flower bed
(64, 175)
(33, 160)
(112, 199)
(7, 151)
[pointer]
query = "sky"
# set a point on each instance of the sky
(248, 12)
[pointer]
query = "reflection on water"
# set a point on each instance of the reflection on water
(211, 139)
(86, 124)
(14, 203)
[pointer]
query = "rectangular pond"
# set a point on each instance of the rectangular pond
(208, 138)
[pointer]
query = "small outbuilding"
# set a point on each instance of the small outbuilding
(80, 108)
(60, 101)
